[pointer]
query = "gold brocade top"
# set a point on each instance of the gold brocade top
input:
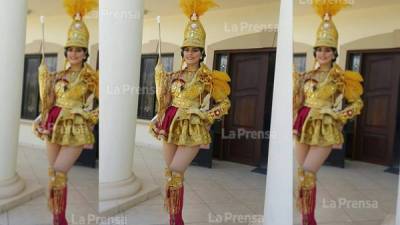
(328, 92)
(193, 91)
(74, 92)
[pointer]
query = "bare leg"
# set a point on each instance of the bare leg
(58, 192)
(183, 157)
(169, 152)
(175, 188)
(308, 186)
(301, 152)
(67, 157)
(52, 152)
(316, 157)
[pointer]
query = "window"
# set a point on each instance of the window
(147, 97)
(222, 62)
(355, 62)
(299, 61)
(30, 93)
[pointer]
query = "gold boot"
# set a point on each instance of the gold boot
(52, 175)
(300, 181)
(59, 198)
(174, 197)
(308, 197)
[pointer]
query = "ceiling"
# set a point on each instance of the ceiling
(152, 7)
(304, 9)
(170, 7)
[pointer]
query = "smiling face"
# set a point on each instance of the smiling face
(324, 55)
(192, 55)
(75, 55)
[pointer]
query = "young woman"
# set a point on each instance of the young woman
(183, 101)
(67, 109)
(324, 100)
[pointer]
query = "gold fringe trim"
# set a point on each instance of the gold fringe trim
(58, 192)
(307, 200)
(300, 180)
(305, 191)
(52, 175)
(173, 192)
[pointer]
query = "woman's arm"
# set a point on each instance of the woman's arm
(217, 87)
(46, 84)
(298, 96)
(218, 111)
(90, 109)
(350, 89)
(162, 89)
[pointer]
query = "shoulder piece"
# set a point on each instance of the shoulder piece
(351, 82)
(91, 78)
(218, 80)
(353, 88)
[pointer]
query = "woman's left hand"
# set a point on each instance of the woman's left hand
(330, 112)
(198, 112)
(79, 111)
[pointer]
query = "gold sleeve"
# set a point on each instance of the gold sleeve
(219, 110)
(46, 83)
(162, 89)
(297, 92)
(91, 109)
(352, 92)
(351, 111)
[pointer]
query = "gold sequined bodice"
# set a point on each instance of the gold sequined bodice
(70, 91)
(186, 90)
(319, 90)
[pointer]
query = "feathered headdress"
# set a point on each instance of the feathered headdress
(327, 7)
(78, 34)
(197, 7)
(327, 34)
(80, 7)
(195, 35)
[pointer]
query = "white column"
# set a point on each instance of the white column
(120, 28)
(398, 206)
(278, 208)
(12, 50)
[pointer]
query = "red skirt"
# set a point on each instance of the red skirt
(300, 119)
(52, 118)
(163, 128)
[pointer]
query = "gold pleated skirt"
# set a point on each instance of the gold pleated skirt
(320, 130)
(69, 130)
(184, 130)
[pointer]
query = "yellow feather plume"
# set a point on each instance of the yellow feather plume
(353, 88)
(81, 7)
(351, 75)
(196, 6)
(323, 7)
(221, 88)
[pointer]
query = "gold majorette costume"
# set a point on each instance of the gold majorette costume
(68, 111)
(323, 102)
(184, 98)
(67, 98)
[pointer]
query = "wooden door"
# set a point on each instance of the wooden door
(376, 125)
(249, 73)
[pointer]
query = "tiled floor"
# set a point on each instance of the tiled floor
(82, 191)
(360, 194)
(228, 190)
